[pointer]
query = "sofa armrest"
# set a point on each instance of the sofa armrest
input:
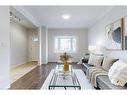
(103, 82)
(85, 66)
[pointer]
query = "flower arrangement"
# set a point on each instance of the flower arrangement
(65, 57)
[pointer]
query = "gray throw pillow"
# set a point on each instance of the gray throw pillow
(108, 62)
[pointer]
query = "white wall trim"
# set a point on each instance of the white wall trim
(40, 46)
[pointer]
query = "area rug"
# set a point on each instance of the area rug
(85, 85)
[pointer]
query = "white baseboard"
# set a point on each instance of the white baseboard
(16, 65)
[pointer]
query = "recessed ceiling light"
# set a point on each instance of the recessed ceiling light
(66, 16)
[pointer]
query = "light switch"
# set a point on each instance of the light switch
(3, 44)
(0, 44)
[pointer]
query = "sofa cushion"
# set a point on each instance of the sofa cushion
(104, 83)
(108, 62)
(95, 59)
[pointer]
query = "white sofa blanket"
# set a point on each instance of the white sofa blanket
(118, 73)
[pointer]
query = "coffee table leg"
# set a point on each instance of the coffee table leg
(65, 88)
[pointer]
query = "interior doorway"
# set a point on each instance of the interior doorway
(24, 37)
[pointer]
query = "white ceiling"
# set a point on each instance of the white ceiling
(81, 16)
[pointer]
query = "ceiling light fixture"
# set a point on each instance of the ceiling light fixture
(66, 16)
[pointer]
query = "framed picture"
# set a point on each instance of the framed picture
(114, 35)
(125, 33)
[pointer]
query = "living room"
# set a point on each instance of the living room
(44, 36)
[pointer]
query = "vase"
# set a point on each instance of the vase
(66, 66)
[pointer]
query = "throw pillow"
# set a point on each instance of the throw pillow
(95, 59)
(107, 63)
(118, 73)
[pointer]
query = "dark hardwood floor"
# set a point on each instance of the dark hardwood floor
(45, 70)
(36, 77)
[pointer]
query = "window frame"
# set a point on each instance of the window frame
(66, 37)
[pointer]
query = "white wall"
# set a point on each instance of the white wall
(97, 32)
(82, 42)
(4, 47)
(19, 44)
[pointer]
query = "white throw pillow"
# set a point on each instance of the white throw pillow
(118, 73)
(95, 59)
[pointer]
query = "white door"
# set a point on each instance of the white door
(33, 47)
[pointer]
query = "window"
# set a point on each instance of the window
(65, 44)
